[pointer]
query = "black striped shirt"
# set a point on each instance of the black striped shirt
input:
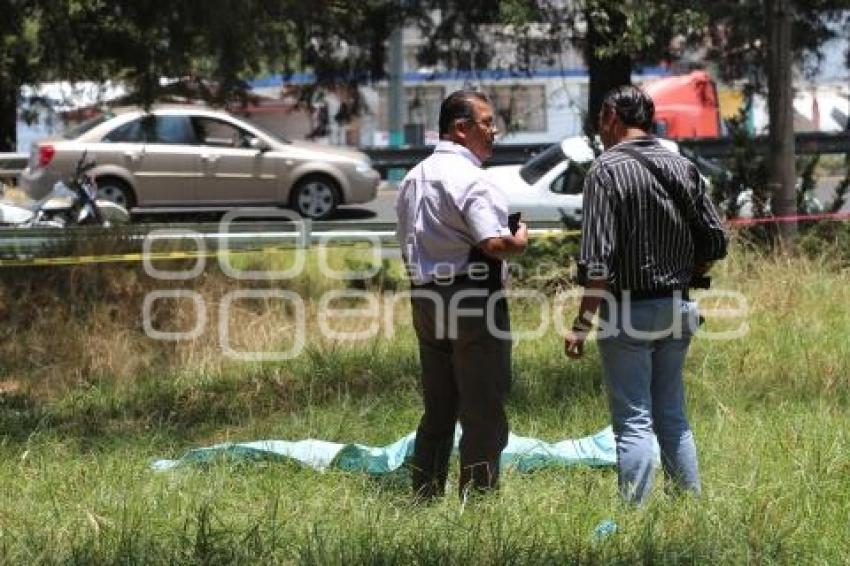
(633, 233)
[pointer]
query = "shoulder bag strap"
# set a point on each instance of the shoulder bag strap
(674, 194)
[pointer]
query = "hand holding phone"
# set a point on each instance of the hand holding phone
(513, 221)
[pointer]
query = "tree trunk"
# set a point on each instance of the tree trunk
(8, 115)
(782, 175)
(605, 73)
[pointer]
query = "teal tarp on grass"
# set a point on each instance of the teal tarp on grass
(522, 453)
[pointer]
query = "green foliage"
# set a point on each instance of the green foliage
(749, 171)
(548, 263)
(458, 37)
(738, 35)
(219, 41)
(749, 174)
(386, 276)
(650, 27)
(213, 46)
(830, 239)
(18, 63)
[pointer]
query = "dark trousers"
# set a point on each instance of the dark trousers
(466, 377)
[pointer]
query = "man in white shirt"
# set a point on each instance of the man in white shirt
(454, 235)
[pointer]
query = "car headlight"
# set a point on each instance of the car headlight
(363, 167)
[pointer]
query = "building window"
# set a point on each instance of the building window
(519, 108)
(422, 106)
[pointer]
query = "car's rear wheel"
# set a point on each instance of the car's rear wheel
(315, 197)
(117, 191)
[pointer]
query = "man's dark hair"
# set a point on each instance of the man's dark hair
(458, 106)
(633, 106)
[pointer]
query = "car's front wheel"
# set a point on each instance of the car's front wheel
(315, 197)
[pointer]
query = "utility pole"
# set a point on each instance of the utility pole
(782, 173)
(396, 90)
(396, 97)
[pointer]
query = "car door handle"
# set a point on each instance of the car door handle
(133, 156)
(210, 158)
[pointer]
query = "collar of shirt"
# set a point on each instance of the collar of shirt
(445, 146)
(641, 140)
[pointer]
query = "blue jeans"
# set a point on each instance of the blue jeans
(642, 363)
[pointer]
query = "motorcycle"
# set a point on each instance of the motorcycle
(69, 203)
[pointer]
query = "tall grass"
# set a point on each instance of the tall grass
(87, 401)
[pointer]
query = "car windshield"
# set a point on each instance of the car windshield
(542, 163)
(76, 131)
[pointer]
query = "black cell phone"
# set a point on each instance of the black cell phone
(513, 221)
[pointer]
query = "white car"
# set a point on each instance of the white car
(548, 186)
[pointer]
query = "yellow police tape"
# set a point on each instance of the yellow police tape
(115, 258)
(195, 254)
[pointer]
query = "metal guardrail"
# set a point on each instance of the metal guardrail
(384, 158)
(808, 143)
(211, 236)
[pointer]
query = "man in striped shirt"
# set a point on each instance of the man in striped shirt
(649, 227)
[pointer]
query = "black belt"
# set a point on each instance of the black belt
(640, 295)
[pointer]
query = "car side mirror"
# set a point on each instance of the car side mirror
(260, 145)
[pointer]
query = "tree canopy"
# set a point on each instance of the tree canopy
(211, 45)
(217, 44)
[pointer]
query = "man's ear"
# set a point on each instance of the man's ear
(458, 133)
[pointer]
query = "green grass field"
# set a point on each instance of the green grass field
(88, 402)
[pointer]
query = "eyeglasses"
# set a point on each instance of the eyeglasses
(487, 123)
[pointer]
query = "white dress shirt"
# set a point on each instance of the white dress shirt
(445, 206)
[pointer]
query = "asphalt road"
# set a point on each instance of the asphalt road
(382, 209)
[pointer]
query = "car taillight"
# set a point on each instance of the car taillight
(45, 155)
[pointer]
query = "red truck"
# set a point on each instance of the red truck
(686, 106)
